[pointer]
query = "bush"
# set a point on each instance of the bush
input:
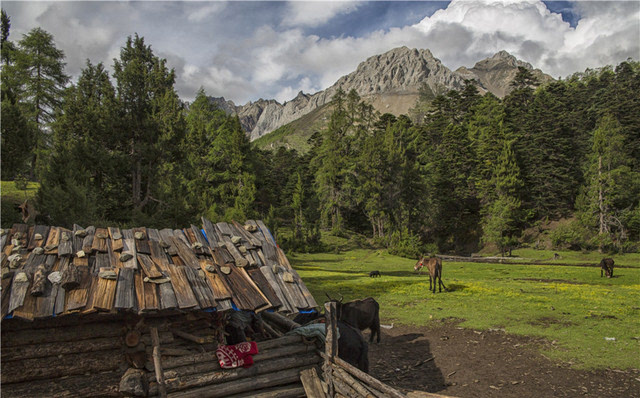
(572, 236)
(405, 244)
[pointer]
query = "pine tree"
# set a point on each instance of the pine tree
(84, 158)
(331, 165)
(152, 116)
(17, 134)
(221, 180)
(502, 214)
(41, 68)
(611, 196)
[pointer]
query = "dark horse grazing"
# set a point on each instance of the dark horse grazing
(434, 265)
(606, 266)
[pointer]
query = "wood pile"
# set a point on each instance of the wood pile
(278, 364)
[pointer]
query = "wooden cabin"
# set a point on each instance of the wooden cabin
(140, 312)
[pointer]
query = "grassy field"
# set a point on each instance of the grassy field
(570, 306)
(10, 197)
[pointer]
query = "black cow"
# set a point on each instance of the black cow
(352, 347)
(362, 314)
(373, 274)
(606, 267)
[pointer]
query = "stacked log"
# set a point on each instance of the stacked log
(53, 358)
(276, 367)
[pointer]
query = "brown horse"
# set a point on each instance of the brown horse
(434, 265)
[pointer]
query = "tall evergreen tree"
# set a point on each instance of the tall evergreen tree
(17, 134)
(221, 180)
(41, 66)
(611, 196)
(152, 115)
(82, 180)
(502, 214)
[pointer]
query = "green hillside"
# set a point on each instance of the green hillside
(295, 135)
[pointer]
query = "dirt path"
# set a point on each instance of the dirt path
(449, 360)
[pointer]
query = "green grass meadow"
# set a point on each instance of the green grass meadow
(10, 197)
(572, 307)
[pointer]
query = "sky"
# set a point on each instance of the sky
(246, 50)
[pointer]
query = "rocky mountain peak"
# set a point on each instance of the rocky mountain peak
(389, 81)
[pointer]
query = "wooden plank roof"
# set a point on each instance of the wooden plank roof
(141, 270)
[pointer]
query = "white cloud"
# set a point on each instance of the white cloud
(245, 51)
(203, 12)
(316, 13)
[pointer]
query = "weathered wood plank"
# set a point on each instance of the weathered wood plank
(184, 294)
(70, 275)
(125, 290)
(261, 281)
(267, 234)
(276, 284)
(102, 260)
(129, 249)
(200, 236)
(212, 234)
(142, 245)
(105, 291)
(165, 236)
(116, 239)
(200, 288)
(45, 304)
(219, 288)
(42, 350)
(153, 234)
(43, 233)
(5, 296)
(194, 244)
(149, 267)
(66, 365)
(77, 240)
(65, 248)
(103, 384)
(186, 253)
(53, 240)
(178, 233)
(311, 383)
(168, 299)
(26, 311)
(255, 242)
(87, 242)
(18, 292)
(159, 256)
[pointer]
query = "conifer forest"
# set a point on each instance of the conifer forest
(463, 170)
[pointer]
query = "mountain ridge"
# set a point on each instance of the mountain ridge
(389, 81)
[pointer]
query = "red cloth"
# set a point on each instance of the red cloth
(233, 356)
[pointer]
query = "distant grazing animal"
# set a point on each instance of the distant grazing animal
(373, 274)
(434, 265)
(606, 267)
(362, 314)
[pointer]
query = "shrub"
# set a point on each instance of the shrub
(571, 236)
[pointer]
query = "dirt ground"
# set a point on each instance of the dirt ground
(446, 359)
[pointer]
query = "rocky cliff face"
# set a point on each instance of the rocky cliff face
(389, 81)
(496, 73)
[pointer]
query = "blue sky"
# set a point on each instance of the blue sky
(248, 50)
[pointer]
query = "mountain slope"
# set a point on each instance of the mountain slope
(389, 81)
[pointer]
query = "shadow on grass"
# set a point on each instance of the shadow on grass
(455, 287)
